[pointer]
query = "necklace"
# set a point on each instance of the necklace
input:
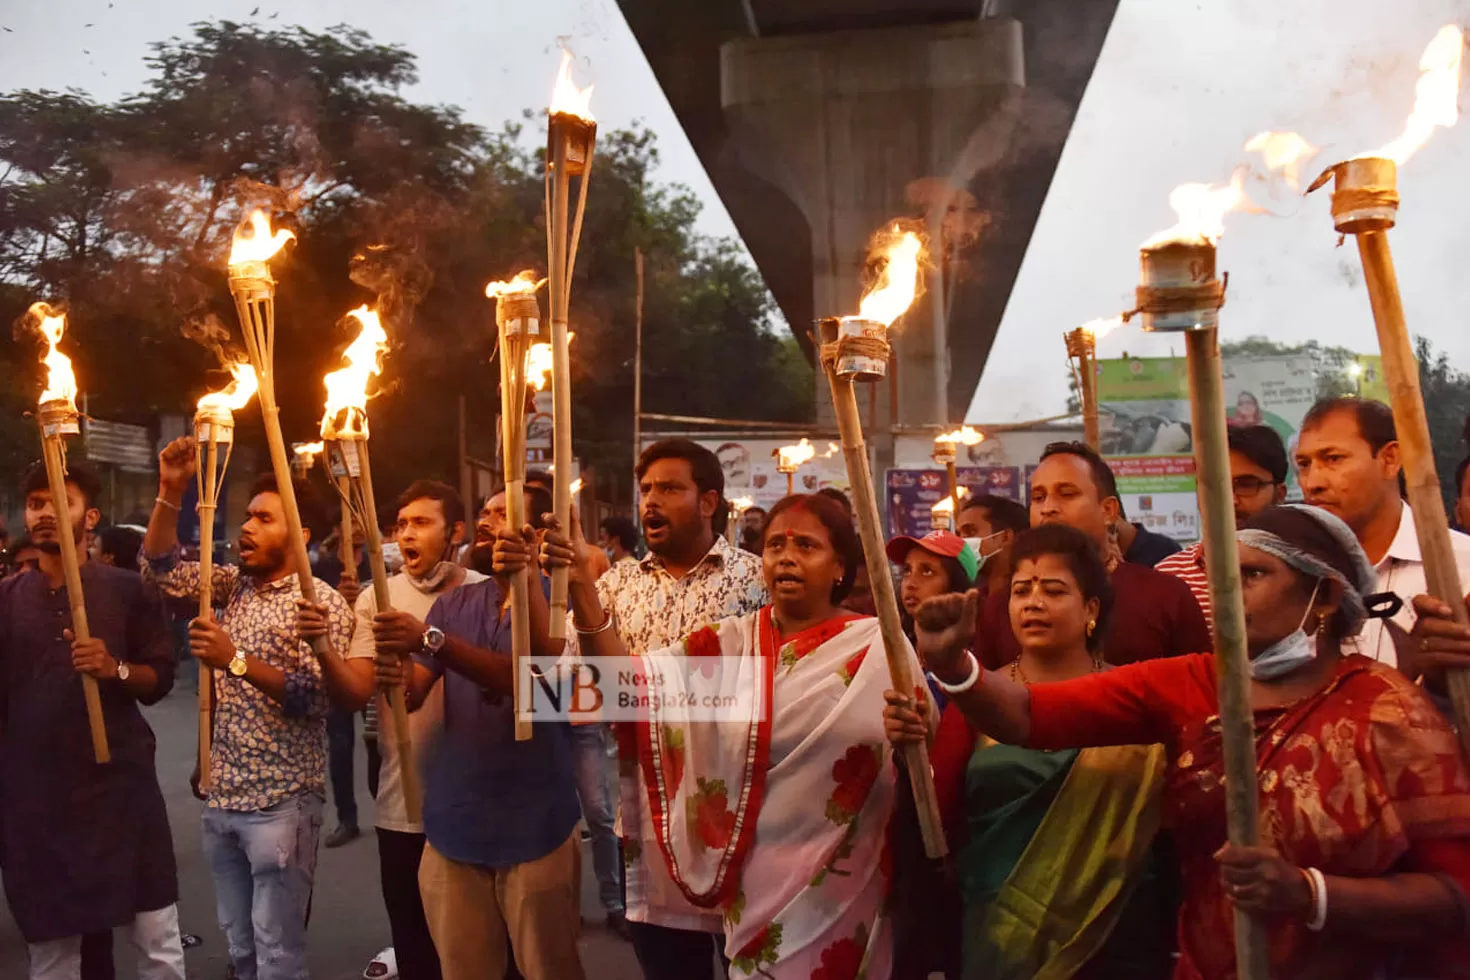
(1019, 675)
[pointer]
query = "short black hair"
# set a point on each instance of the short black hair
(538, 504)
(449, 499)
(78, 473)
(1375, 419)
(315, 516)
(623, 529)
(540, 478)
(122, 543)
(1084, 560)
(1001, 513)
(1262, 445)
(703, 465)
(1102, 473)
(839, 528)
(838, 496)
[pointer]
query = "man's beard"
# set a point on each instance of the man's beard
(264, 564)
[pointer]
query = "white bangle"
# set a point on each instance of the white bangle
(1319, 896)
(965, 684)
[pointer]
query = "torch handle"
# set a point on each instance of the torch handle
(1232, 662)
(56, 478)
(344, 532)
(397, 702)
(880, 580)
(790, 482)
(1401, 371)
(952, 470)
(1087, 377)
(513, 428)
(558, 294)
(208, 501)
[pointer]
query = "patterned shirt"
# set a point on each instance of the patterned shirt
(264, 751)
(654, 610)
(1189, 565)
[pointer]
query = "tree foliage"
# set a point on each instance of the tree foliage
(124, 211)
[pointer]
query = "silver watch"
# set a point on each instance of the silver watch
(433, 641)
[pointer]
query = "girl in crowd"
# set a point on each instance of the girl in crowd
(1365, 800)
(778, 813)
(930, 566)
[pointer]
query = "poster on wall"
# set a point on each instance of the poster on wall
(749, 466)
(1271, 391)
(910, 494)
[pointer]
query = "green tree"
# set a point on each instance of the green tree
(1330, 364)
(125, 211)
(1447, 405)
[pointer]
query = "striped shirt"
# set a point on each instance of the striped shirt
(1189, 565)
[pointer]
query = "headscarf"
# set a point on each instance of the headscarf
(1319, 544)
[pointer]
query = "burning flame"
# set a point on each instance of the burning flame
(793, 456)
(945, 506)
(898, 284)
(963, 435)
(524, 282)
(566, 97)
(236, 395)
(1283, 152)
(538, 366)
(1436, 94)
(347, 388)
(742, 504)
(1201, 209)
(1102, 326)
(261, 243)
(576, 487)
(307, 452)
(832, 450)
(61, 382)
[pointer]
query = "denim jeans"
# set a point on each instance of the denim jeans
(341, 747)
(594, 789)
(263, 863)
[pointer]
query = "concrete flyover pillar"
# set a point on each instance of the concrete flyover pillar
(860, 127)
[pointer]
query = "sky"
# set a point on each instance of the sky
(1179, 88)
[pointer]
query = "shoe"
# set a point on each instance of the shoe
(383, 967)
(617, 924)
(343, 834)
(585, 836)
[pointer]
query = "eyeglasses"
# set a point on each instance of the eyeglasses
(1247, 486)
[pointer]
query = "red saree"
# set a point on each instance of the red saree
(1363, 778)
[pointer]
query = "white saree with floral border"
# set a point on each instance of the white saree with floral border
(778, 817)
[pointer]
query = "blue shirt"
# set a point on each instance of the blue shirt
(488, 799)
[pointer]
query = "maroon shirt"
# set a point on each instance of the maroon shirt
(1154, 615)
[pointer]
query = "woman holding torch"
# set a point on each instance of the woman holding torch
(777, 812)
(1364, 795)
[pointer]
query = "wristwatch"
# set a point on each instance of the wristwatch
(433, 641)
(238, 666)
(122, 670)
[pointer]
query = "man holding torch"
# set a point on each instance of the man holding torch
(69, 870)
(268, 765)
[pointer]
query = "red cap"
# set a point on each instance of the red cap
(945, 544)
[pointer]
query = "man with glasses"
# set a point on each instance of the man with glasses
(1258, 480)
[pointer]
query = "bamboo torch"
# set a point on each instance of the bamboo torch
(518, 323)
(941, 515)
(946, 453)
(738, 507)
(855, 349)
(1365, 205)
(59, 418)
(1179, 292)
(789, 460)
(254, 291)
(571, 134)
(214, 439)
(1082, 348)
(344, 432)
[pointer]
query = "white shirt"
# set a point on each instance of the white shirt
(425, 724)
(1402, 572)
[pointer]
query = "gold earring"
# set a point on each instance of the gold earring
(1322, 619)
(1091, 625)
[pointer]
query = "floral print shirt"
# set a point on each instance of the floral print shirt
(264, 751)
(654, 610)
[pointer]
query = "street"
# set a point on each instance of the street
(348, 924)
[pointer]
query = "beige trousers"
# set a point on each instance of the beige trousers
(473, 911)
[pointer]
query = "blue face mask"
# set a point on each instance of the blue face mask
(1291, 651)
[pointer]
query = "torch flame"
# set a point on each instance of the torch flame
(963, 435)
(1201, 209)
(576, 487)
(945, 506)
(566, 97)
(261, 243)
(538, 366)
(307, 452)
(794, 456)
(898, 283)
(1102, 326)
(524, 281)
(1283, 152)
(832, 450)
(1436, 94)
(236, 395)
(347, 388)
(742, 504)
(61, 382)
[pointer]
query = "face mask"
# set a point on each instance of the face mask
(1289, 652)
(977, 545)
(437, 576)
